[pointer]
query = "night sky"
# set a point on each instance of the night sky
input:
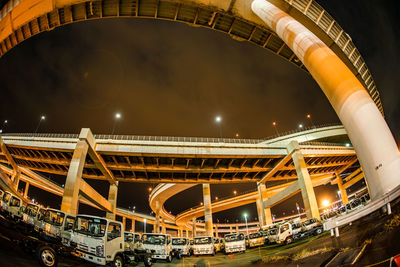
(168, 78)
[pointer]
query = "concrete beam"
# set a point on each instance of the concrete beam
(304, 181)
(276, 168)
(112, 198)
(354, 180)
(283, 195)
(17, 172)
(93, 196)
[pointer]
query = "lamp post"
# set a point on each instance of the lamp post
(247, 228)
(309, 117)
(276, 130)
(298, 208)
(117, 117)
(42, 118)
(218, 120)
(4, 125)
(300, 126)
(144, 221)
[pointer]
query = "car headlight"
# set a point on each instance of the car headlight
(100, 251)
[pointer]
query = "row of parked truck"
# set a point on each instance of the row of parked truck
(51, 232)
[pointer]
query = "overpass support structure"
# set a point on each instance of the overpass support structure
(112, 198)
(264, 213)
(342, 190)
(16, 170)
(356, 109)
(304, 181)
(207, 209)
(75, 185)
(194, 230)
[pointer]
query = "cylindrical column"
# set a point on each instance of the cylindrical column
(112, 198)
(157, 224)
(124, 223)
(207, 210)
(26, 189)
(194, 227)
(133, 225)
(164, 229)
(380, 160)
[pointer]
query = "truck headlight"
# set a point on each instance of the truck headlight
(100, 251)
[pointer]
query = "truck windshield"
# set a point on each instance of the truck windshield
(234, 237)
(273, 231)
(254, 235)
(54, 217)
(202, 240)
(90, 226)
(6, 197)
(129, 237)
(15, 202)
(154, 239)
(179, 241)
(31, 209)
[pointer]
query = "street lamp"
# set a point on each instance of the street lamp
(325, 203)
(298, 208)
(4, 124)
(42, 118)
(301, 126)
(235, 192)
(237, 135)
(245, 218)
(144, 221)
(309, 117)
(117, 117)
(276, 130)
(218, 120)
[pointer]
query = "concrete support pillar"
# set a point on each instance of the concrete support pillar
(70, 198)
(305, 184)
(207, 210)
(124, 223)
(216, 230)
(237, 228)
(112, 198)
(268, 216)
(133, 225)
(194, 230)
(26, 190)
(164, 230)
(265, 212)
(260, 212)
(343, 192)
(356, 109)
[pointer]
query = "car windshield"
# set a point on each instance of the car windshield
(90, 226)
(154, 239)
(54, 217)
(234, 237)
(179, 241)
(254, 235)
(202, 240)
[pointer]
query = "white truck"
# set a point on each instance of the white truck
(57, 226)
(235, 243)
(11, 206)
(101, 241)
(284, 234)
(256, 239)
(204, 246)
(132, 241)
(159, 245)
(181, 247)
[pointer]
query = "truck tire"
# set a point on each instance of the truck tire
(318, 231)
(288, 240)
(47, 256)
(118, 261)
(169, 258)
(147, 261)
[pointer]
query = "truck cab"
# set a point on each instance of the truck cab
(235, 243)
(256, 239)
(132, 241)
(218, 244)
(181, 246)
(272, 234)
(28, 215)
(11, 206)
(159, 245)
(285, 234)
(310, 224)
(38, 220)
(204, 246)
(57, 226)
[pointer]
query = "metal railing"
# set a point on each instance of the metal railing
(170, 138)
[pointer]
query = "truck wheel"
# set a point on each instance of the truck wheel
(178, 255)
(319, 231)
(288, 240)
(214, 252)
(147, 261)
(118, 261)
(169, 258)
(47, 256)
